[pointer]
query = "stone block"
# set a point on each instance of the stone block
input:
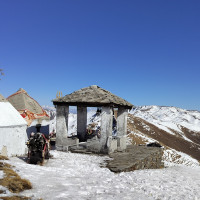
(149, 158)
(70, 141)
(94, 146)
(67, 142)
(112, 144)
(59, 147)
(121, 143)
(65, 148)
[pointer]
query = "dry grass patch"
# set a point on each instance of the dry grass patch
(15, 198)
(3, 157)
(12, 180)
(137, 140)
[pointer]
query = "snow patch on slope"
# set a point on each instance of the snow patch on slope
(1, 174)
(168, 118)
(172, 157)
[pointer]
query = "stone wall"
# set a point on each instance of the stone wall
(136, 157)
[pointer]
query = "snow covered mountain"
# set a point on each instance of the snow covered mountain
(168, 118)
(176, 129)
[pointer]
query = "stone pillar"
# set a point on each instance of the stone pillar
(81, 122)
(122, 121)
(106, 127)
(122, 127)
(61, 126)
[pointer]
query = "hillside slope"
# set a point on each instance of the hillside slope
(169, 118)
(175, 128)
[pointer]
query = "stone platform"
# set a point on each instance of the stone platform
(136, 157)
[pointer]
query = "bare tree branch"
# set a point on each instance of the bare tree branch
(1, 73)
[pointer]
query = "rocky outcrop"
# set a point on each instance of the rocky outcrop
(136, 157)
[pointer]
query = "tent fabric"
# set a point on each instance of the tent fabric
(27, 106)
(9, 115)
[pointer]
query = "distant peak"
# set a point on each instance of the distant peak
(22, 90)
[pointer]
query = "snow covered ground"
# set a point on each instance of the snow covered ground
(79, 176)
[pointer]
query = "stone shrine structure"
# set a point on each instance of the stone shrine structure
(92, 96)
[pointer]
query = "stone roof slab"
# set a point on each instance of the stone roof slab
(92, 96)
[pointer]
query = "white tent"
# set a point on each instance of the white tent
(13, 135)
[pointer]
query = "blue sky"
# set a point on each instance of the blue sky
(146, 51)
